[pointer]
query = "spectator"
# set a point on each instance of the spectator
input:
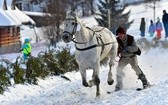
(165, 22)
(151, 28)
(142, 27)
(158, 28)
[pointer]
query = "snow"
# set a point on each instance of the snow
(6, 20)
(22, 16)
(36, 13)
(12, 17)
(55, 90)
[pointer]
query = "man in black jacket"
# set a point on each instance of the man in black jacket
(128, 52)
(165, 22)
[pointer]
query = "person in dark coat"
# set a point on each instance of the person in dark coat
(165, 22)
(142, 27)
(128, 51)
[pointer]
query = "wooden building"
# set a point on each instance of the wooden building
(9, 39)
(10, 21)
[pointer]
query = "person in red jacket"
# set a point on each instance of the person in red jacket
(128, 52)
(158, 28)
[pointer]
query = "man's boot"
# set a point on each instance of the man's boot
(119, 85)
(145, 83)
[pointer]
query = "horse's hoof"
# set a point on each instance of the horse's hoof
(110, 82)
(97, 94)
(85, 84)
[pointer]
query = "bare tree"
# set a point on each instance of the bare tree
(55, 14)
(153, 6)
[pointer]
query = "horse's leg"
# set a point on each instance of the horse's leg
(83, 75)
(110, 80)
(112, 54)
(96, 79)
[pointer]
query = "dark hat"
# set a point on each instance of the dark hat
(120, 30)
(164, 11)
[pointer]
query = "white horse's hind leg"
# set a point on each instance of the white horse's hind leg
(112, 54)
(110, 80)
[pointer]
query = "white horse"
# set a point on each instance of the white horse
(92, 46)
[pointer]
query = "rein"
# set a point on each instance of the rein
(95, 45)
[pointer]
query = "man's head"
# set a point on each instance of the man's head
(120, 32)
(164, 11)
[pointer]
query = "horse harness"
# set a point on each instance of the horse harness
(100, 42)
(99, 39)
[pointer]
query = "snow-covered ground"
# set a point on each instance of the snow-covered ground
(54, 90)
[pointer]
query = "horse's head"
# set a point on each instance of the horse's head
(70, 27)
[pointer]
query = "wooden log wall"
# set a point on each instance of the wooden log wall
(9, 35)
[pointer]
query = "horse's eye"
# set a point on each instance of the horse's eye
(73, 23)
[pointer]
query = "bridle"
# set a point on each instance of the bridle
(74, 31)
(74, 28)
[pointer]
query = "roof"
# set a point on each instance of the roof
(22, 16)
(39, 14)
(11, 16)
(8, 20)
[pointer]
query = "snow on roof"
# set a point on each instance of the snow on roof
(8, 20)
(12, 17)
(22, 16)
(36, 13)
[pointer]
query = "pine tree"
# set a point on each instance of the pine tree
(117, 17)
